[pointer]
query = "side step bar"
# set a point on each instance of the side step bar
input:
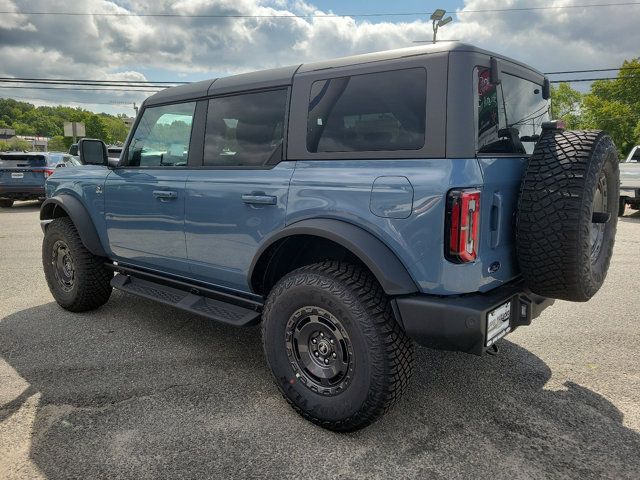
(197, 304)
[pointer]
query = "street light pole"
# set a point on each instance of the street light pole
(438, 21)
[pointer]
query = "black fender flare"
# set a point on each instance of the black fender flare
(378, 257)
(80, 217)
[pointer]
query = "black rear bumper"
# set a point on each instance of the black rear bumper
(459, 322)
(22, 192)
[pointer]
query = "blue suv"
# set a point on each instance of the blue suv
(22, 175)
(351, 206)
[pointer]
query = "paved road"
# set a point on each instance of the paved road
(137, 390)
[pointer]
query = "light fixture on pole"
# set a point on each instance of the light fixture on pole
(439, 21)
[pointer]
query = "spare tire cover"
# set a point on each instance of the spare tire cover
(567, 214)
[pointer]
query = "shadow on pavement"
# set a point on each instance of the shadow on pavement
(138, 390)
(25, 206)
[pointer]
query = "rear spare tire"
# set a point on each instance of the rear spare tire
(567, 214)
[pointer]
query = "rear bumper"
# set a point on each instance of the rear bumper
(460, 322)
(22, 192)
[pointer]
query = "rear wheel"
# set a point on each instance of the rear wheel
(6, 203)
(78, 280)
(336, 352)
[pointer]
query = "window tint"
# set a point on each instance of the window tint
(371, 112)
(510, 114)
(22, 161)
(245, 130)
(162, 137)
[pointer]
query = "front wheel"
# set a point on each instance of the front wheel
(336, 352)
(78, 280)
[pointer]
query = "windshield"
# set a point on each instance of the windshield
(509, 114)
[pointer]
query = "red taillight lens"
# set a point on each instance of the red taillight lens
(463, 225)
(48, 172)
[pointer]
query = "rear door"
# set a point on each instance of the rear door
(145, 195)
(239, 195)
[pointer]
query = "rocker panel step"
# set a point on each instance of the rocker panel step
(190, 302)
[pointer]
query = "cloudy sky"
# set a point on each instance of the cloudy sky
(193, 47)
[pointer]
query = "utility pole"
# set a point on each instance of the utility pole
(135, 107)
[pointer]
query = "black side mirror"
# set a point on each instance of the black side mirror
(494, 71)
(92, 152)
(546, 89)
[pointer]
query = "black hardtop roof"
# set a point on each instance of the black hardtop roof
(284, 75)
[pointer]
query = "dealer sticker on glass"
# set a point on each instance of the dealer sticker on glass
(498, 324)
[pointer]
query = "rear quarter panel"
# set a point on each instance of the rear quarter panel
(342, 189)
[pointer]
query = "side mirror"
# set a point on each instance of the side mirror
(61, 165)
(546, 89)
(494, 71)
(92, 152)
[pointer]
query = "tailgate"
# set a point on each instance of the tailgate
(501, 177)
(18, 170)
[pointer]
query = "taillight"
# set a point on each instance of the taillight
(48, 172)
(462, 225)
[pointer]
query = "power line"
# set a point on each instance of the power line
(573, 80)
(88, 80)
(66, 82)
(78, 89)
(593, 70)
(322, 15)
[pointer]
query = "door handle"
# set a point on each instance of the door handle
(496, 219)
(259, 199)
(164, 195)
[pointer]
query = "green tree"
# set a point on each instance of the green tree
(566, 104)
(95, 127)
(58, 144)
(15, 145)
(614, 106)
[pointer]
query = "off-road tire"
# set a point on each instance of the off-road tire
(622, 205)
(383, 354)
(91, 287)
(6, 203)
(554, 217)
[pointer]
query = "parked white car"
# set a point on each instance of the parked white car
(630, 181)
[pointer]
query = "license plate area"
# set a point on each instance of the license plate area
(498, 323)
(17, 175)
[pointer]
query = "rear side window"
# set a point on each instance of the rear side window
(16, 161)
(245, 130)
(370, 112)
(509, 115)
(162, 137)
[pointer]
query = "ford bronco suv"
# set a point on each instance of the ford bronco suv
(351, 206)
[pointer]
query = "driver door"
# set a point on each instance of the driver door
(145, 194)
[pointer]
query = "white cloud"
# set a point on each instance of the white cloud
(103, 47)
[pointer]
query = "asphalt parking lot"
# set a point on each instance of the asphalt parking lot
(138, 390)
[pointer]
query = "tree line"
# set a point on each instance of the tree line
(48, 121)
(610, 105)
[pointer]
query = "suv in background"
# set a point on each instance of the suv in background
(22, 175)
(350, 206)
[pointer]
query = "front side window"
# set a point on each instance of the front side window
(245, 130)
(371, 112)
(162, 137)
(509, 115)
